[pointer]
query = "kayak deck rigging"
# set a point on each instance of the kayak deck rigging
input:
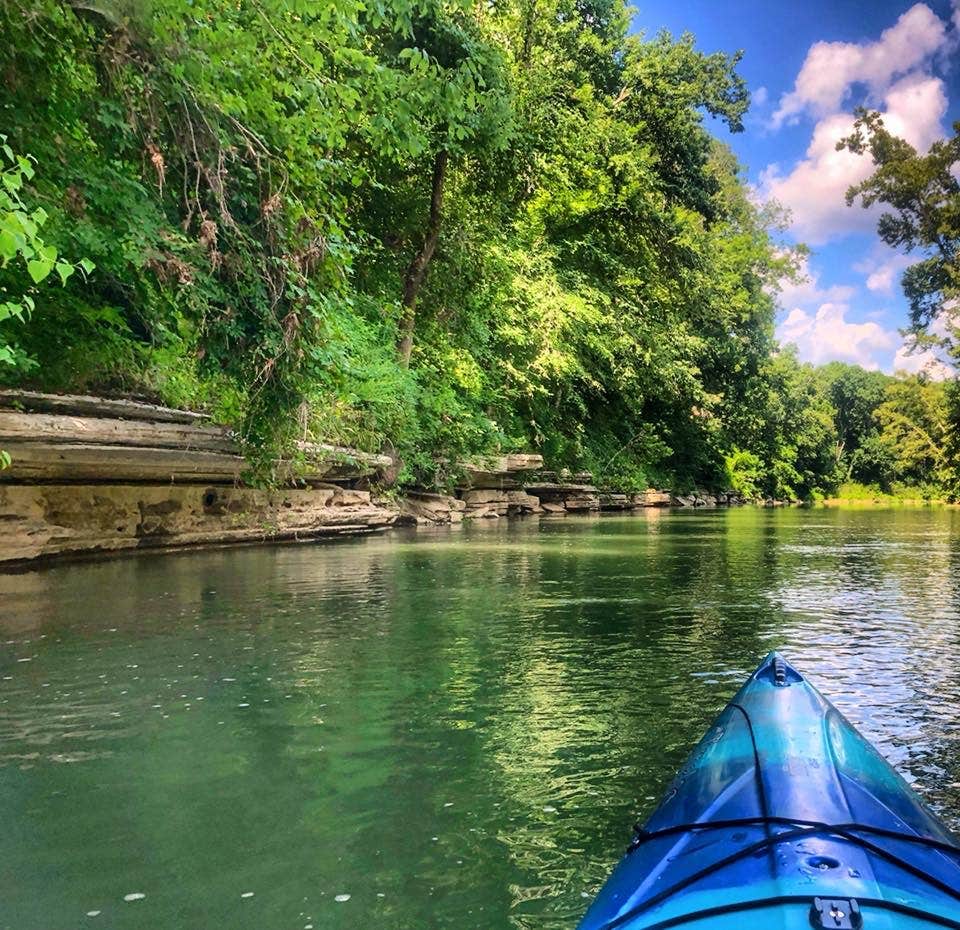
(784, 809)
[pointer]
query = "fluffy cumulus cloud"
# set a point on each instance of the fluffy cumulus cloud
(932, 362)
(816, 320)
(894, 74)
(917, 362)
(826, 334)
(882, 271)
(832, 69)
(898, 74)
(814, 189)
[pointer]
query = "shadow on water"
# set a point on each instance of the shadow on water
(454, 729)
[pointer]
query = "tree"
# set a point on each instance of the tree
(855, 394)
(450, 227)
(923, 192)
(800, 433)
(462, 99)
(26, 257)
(913, 427)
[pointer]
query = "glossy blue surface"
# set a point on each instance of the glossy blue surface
(781, 750)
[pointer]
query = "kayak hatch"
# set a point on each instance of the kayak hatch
(784, 817)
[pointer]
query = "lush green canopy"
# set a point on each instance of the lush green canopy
(440, 226)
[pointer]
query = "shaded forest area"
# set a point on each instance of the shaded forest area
(434, 228)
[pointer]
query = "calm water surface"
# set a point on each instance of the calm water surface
(454, 729)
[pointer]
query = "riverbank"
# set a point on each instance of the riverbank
(93, 476)
(886, 500)
(854, 494)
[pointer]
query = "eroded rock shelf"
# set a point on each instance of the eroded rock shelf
(91, 475)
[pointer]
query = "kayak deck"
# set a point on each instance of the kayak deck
(785, 817)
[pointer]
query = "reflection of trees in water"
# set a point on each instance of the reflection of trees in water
(872, 602)
(544, 682)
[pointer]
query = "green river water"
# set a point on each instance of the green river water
(456, 729)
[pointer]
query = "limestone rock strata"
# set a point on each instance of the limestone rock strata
(652, 498)
(85, 405)
(423, 508)
(59, 447)
(707, 499)
(488, 503)
(52, 520)
(503, 472)
(613, 501)
(559, 497)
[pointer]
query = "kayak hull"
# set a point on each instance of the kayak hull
(782, 807)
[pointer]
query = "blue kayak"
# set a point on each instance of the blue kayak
(784, 817)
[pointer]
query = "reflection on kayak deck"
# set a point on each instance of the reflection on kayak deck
(784, 815)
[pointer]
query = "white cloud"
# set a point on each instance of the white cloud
(882, 270)
(831, 69)
(881, 280)
(814, 190)
(896, 74)
(917, 362)
(827, 335)
(934, 362)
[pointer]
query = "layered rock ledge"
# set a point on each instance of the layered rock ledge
(91, 475)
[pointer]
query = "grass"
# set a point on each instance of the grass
(853, 492)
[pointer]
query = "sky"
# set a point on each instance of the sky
(808, 64)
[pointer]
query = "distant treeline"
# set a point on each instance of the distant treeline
(876, 435)
(441, 227)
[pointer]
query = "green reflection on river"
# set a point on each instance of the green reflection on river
(456, 729)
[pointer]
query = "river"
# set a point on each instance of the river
(444, 729)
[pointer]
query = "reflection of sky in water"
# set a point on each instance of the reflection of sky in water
(454, 729)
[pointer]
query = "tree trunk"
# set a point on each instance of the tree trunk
(421, 261)
(529, 19)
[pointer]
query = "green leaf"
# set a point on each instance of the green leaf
(86, 265)
(27, 224)
(8, 245)
(64, 269)
(39, 270)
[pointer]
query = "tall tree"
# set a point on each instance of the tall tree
(923, 194)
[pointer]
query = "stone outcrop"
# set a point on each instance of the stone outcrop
(423, 508)
(95, 475)
(55, 520)
(501, 472)
(707, 499)
(562, 497)
(613, 501)
(485, 503)
(520, 502)
(65, 438)
(652, 498)
(85, 405)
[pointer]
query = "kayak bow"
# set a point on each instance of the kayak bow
(784, 817)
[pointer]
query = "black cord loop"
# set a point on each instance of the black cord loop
(796, 828)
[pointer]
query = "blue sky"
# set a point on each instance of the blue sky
(808, 64)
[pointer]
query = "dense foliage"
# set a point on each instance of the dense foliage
(436, 226)
(920, 194)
